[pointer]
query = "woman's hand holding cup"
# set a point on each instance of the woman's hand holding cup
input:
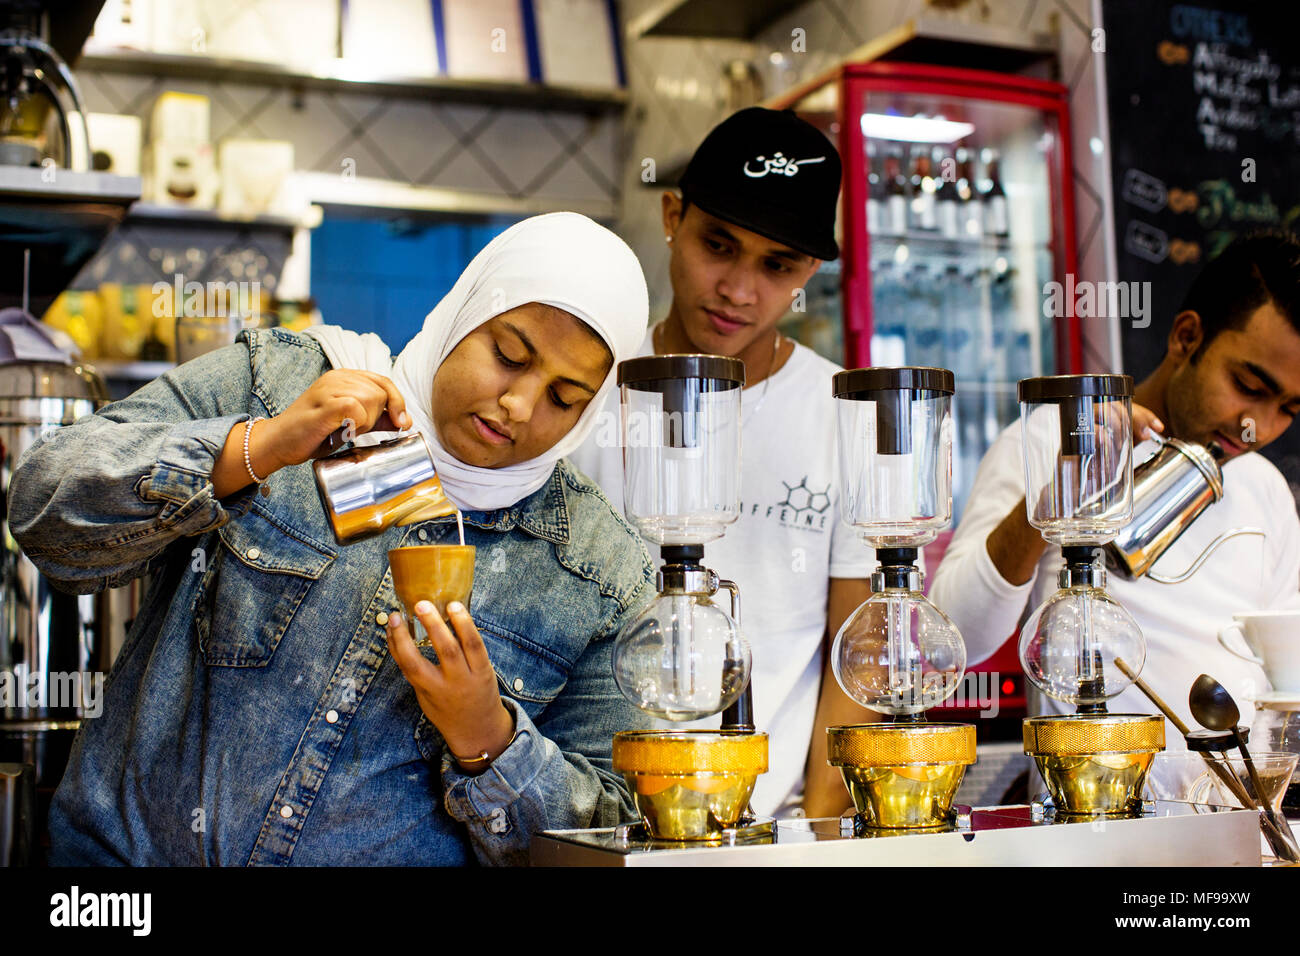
(458, 693)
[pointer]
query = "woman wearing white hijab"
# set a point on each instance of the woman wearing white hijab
(261, 710)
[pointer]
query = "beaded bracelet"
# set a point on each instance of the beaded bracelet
(248, 463)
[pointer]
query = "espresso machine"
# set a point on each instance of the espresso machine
(55, 648)
(55, 213)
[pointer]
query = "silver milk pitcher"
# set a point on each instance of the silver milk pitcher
(380, 480)
(1171, 489)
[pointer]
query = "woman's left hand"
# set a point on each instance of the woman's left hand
(459, 693)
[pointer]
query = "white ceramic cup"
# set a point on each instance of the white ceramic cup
(1273, 638)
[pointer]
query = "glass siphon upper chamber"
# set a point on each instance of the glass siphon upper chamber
(1078, 455)
(680, 430)
(895, 447)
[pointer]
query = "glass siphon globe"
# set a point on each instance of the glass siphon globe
(681, 658)
(898, 654)
(1069, 644)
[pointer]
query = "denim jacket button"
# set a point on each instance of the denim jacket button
(422, 534)
(332, 717)
(286, 811)
(381, 618)
(254, 554)
(519, 684)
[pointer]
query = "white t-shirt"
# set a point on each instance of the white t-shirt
(787, 543)
(1179, 621)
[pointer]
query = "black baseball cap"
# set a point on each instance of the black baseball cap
(772, 173)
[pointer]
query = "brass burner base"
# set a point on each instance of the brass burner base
(902, 776)
(1095, 765)
(690, 785)
(904, 798)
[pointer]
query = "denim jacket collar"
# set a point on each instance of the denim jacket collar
(543, 514)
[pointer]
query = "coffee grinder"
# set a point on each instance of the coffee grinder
(898, 654)
(684, 657)
(1078, 453)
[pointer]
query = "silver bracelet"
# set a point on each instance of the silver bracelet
(248, 430)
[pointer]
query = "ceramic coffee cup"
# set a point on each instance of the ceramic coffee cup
(438, 573)
(1273, 638)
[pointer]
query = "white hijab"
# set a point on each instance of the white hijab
(561, 259)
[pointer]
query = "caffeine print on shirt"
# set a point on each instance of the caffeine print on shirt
(801, 506)
(782, 551)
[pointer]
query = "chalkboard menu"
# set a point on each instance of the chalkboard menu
(1204, 106)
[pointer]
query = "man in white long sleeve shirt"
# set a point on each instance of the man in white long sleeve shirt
(1231, 374)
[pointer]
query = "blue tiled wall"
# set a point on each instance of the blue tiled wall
(372, 276)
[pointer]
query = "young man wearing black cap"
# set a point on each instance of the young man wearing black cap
(754, 222)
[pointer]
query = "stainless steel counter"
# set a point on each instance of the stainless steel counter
(1168, 834)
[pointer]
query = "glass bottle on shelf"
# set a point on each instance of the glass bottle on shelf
(889, 325)
(924, 318)
(894, 218)
(947, 199)
(996, 221)
(971, 213)
(875, 196)
(960, 320)
(923, 204)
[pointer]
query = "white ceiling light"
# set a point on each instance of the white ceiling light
(914, 129)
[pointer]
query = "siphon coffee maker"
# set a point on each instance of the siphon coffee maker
(684, 657)
(898, 654)
(1078, 455)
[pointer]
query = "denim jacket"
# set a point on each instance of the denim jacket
(253, 715)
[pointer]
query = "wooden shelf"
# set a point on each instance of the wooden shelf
(365, 196)
(337, 76)
(723, 19)
(181, 215)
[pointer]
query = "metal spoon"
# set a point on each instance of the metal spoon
(1214, 708)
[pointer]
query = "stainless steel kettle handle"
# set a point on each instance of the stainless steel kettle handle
(1201, 559)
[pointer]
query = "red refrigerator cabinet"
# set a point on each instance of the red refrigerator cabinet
(956, 213)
